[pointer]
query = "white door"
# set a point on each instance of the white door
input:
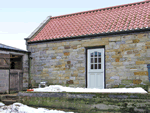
(95, 68)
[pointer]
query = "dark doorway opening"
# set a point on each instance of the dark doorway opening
(15, 62)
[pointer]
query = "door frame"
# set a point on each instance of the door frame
(86, 58)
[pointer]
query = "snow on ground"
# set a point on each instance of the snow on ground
(20, 108)
(59, 88)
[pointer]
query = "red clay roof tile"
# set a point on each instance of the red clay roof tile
(105, 20)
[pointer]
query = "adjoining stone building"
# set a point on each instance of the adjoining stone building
(95, 49)
(13, 69)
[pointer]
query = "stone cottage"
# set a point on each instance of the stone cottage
(13, 69)
(95, 49)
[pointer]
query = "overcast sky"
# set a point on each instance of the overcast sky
(19, 18)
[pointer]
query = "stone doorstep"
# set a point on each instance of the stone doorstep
(9, 102)
(8, 99)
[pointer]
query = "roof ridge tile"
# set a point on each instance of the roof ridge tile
(107, 8)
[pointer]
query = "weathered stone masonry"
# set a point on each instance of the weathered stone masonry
(62, 62)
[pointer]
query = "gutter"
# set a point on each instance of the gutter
(29, 70)
(9, 73)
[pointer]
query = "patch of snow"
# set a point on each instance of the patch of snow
(59, 88)
(20, 108)
(2, 104)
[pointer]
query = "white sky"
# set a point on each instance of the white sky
(19, 18)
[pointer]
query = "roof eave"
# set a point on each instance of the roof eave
(22, 51)
(98, 34)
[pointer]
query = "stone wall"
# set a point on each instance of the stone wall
(63, 62)
(88, 102)
(4, 80)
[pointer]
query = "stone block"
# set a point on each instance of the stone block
(95, 43)
(81, 68)
(116, 56)
(72, 78)
(62, 78)
(105, 38)
(129, 55)
(74, 47)
(127, 49)
(141, 35)
(147, 43)
(140, 44)
(50, 52)
(109, 81)
(58, 51)
(147, 47)
(55, 48)
(66, 53)
(80, 78)
(81, 81)
(68, 62)
(117, 59)
(136, 41)
(129, 41)
(67, 77)
(135, 51)
(78, 46)
(41, 45)
(140, 62)
(117, 63)
(112, 44)
(131, 45)
(75, 74)
(67, 47)
(115, 77)
(121, 73)
(126, 81)
(141, 73)
(136, 81)
(120, 42)
(60, 47)
(128, 37)
(81, 74)
(76, 82)
(45, 70)
(138, 54)
(69, 82)
(110, 53)
(108, 47)
(116, 47)
(122, 46)
(115, 38)
(129, 52)
(144, 78)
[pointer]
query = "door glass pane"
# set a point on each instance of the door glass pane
(99, 66)
(91, 60)
(95, 66)
(99, 60)
(95, 60)
(91, 54)
(99, 54)
(91, 66)
(95, 53)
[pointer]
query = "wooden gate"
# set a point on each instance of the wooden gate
(16, 80)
